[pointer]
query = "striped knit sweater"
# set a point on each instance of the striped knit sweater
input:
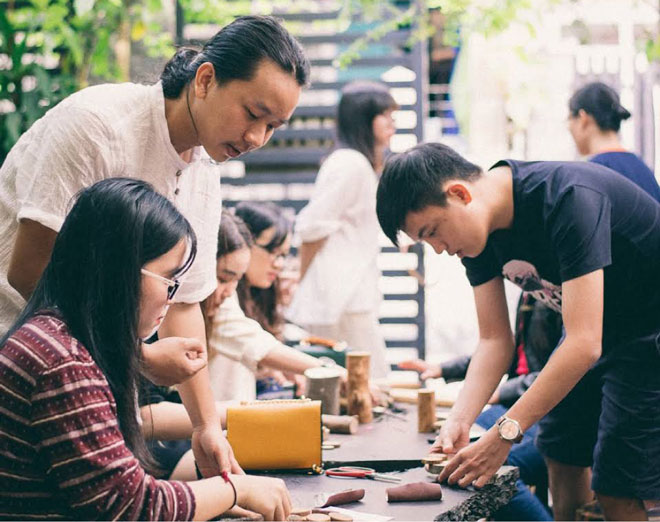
(62, 455)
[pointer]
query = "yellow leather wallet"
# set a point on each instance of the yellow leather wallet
(276, 434)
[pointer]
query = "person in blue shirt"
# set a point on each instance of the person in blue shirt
(595, 116)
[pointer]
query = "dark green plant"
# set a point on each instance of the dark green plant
(55, 47)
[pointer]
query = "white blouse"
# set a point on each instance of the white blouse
(101, 132)
(343, 276)
(236, 345)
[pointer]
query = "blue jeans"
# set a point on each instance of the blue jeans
(524, 505)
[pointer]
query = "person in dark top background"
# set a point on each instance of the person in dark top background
(595, 116)
(585, 241)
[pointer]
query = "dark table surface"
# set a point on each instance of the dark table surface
(456, 504)
(392, 444)
(389, 443)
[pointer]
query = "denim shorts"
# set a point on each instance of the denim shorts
(611, 421)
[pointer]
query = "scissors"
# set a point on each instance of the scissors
(358, 472)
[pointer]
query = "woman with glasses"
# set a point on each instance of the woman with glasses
(244, 327)
(209, 105)
(338, 296)
(69, 367)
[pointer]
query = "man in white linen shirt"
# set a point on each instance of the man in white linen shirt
(228, 99)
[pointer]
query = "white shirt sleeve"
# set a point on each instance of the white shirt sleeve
(337, 188)
(76, 152)
(238, 337)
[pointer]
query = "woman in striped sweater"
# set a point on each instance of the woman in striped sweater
(70, 441)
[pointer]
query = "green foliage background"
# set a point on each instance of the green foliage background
(51, 48)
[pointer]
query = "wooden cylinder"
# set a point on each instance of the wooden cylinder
(341, 423)
(323, 384)
(358, 395)
(425, 411)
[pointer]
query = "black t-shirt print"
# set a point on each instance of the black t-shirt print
(570, 219)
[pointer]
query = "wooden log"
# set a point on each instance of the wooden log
(425, 411)
(323, 384)
(410, 397)
(358, 395)
(341, 423)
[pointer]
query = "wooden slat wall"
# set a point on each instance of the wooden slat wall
(284, 170)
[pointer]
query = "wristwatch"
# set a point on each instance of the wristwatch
(509, 429)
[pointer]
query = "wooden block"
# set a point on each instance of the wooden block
(410, 397)
(318, 517)
(341, 423)
(425, 411)
(434, 458)
(358, 393)
(434, 463)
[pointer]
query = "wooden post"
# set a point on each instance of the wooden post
(340, 423)
(425, 411)
(323, 384)
(358, 395)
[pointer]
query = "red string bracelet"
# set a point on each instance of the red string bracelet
(226, 478)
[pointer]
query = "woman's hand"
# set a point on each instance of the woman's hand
(264, 495)
(212, 451)
(172, 360)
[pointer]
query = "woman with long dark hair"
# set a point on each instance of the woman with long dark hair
(243, 316)
(69, 367)
(209, 105)
(338, 295)
(595, 116)
(259, 290)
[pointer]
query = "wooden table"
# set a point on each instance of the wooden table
(392, 444)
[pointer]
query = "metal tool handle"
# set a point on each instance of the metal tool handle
(385, 478)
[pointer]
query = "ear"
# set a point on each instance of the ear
(584, 118)
(204, 79)
(460, 191)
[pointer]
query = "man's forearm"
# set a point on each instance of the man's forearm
(489, 363)
(185, 320)
(170, 420)
(565, 368)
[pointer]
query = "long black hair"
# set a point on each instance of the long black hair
(236, 51)
(93, 282)
(263, 304)
(360, 103)
(602, 103)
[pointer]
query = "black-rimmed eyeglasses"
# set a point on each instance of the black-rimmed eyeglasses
(276, 257)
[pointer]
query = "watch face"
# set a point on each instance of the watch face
(509, 430)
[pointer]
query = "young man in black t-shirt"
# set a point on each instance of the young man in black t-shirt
(584, 240)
